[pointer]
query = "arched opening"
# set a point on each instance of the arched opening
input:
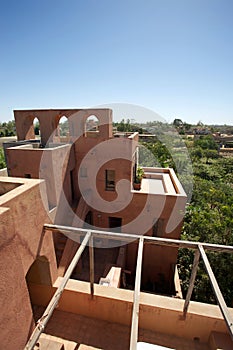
(39, 272)
(36, 127)
(63, 129)
(92, 126)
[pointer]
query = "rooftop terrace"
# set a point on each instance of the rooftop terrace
(161, 181)
(93, 316)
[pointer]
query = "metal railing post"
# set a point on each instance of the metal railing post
(54, 301)
(135, 315)
(191, 282)
(221, 302)
(91, 261)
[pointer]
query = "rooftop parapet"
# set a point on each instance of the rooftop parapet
(175, 317)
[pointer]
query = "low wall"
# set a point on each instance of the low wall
(157, 313)
(3, 172)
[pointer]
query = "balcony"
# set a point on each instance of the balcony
(161, 181)
(95, 316)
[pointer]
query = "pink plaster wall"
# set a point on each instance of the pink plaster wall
(157, 313)
(22, 217)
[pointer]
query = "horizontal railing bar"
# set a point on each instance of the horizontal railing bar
(147, 239)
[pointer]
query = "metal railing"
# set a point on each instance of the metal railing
(88, 237)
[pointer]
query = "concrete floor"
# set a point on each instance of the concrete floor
(79, 332)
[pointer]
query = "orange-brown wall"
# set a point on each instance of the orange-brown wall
(142, 208)
(157, 313)
(52, 164)
(22, 217)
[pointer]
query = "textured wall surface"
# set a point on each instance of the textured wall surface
(22, 242)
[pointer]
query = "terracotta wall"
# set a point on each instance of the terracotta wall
(22, 216)
(49, 120)
(162, 259)
(157, 313)
(52, 164)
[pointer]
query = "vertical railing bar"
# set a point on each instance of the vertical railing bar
(54, 301)
(221, 302)
(159, 241)
(135, 314)
(92, 267)
(191, 282)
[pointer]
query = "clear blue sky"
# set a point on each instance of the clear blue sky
(172, 56)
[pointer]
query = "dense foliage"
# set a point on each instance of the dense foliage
(208, 216)
(209, 219)
(2, 159)
(7, 128)
(209, 185)
(127, 126)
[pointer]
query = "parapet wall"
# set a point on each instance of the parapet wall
(157, 313)
(22, 216)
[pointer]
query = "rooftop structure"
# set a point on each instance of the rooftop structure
(73, 224)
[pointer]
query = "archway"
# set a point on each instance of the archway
(63, 129)
(91, 125)
(39, 272)
(36, 128)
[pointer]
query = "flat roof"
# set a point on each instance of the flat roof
(161, 184)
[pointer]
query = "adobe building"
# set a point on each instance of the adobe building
(72, 224)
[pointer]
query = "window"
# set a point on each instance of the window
(110, 180)
(115, 224)
(158, 228)
(28, 176)
(83, 172)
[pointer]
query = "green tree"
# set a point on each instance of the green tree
(2, 159)
(177, 122)
(196, 153)
(37, 128)
(7, 128)
(209, 218)
(206, 142)
(210, 154)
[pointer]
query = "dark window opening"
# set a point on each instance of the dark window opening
(158, 228)
(115, 224)
(28, 176)
(88, 221)
(110, 180)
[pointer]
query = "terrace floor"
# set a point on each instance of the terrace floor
(157, 184)
(83, 333)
